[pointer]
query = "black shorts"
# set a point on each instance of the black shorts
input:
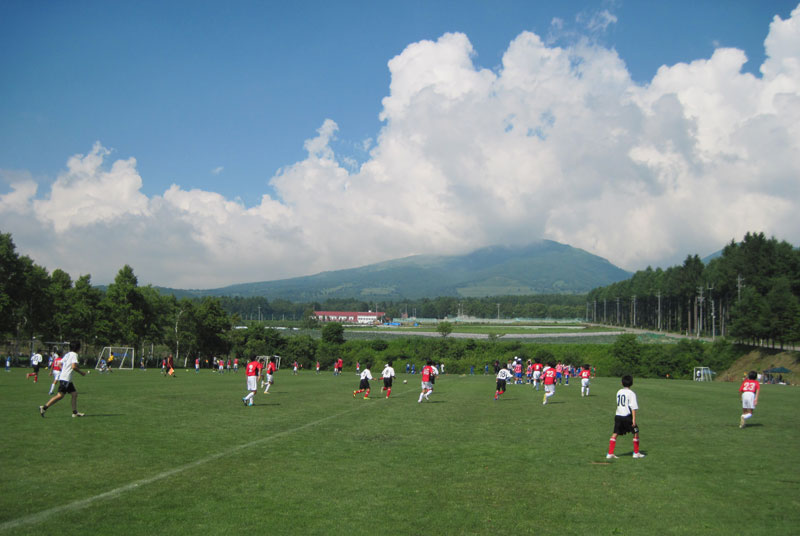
(624, 425)
(36, 369)
(66, 387)
(501, 385)
(387, 382)
(364, 384)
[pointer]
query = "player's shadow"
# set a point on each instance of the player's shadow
(755, 424)
(434, 401)
(103, 415)
(264, 405)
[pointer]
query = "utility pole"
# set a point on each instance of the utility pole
(498, 311)
(739, 285)
(633, 299)
(259, 313)
(618, 311)
(604, 310)
(594, 312)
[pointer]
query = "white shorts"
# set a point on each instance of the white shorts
(252, 383)
(537, 374)
(584, 382)
(748, 400)
(427, 385)
(550, 388)
(269, 378)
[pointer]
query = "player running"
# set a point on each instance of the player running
(387, 375)
(537, 373)
(503, 375)
(36, 361)
(363, 385)
(55, 371)
(427, 386)
(271, 369)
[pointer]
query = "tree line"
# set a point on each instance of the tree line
(751, 292)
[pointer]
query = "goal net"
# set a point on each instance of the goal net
(702, 374)
(266, 359)
(115, 357)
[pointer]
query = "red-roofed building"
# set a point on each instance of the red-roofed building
(348, 317)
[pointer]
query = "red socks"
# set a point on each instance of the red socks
(612, 443)
(388, 392)
(635, 445)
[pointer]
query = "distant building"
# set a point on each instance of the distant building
(347, 317)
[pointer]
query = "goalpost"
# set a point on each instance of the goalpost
(702, 374)
(116, 357)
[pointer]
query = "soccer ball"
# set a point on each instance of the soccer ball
(405, 381)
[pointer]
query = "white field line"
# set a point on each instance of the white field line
(83, 503)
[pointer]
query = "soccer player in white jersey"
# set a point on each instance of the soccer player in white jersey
(36, 361)
(585, 375)
(363, 385)
(625, 418)
(503, 375)
(388, 376)
(69, 364)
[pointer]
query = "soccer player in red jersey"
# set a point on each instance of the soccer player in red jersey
(585, 375)
(271, 368)
(427, 386)
(55, 371)
(537, 373)
(749, 392)
(253, 374)
(549, 382)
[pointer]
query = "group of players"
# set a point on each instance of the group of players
(63, 366)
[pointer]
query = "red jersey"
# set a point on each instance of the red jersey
(57, 364)
(197, 362)
(426, 373)
(559, 368)
(253, 368)
(749, 386)
(518, 368)
(586, 373)
(537, 367)
(271, 368)
(550, 376)
(340, 364)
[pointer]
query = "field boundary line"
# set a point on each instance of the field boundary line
(83, 503)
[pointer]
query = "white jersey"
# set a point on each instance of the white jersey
(66, 366)
(36, 359)
(366, 374)
(626, 402)
(388, 372)
(504, 374)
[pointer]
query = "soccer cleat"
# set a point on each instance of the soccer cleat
(354, 394)
(741, 421)
(78, 415)
(638, 455)
(244, 400)
(251, 403)
(41, 411)
(610, 457)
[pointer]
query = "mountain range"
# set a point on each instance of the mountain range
(543, 267)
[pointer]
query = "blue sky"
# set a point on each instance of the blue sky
(222, 98)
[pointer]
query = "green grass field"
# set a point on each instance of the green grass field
(158, 455)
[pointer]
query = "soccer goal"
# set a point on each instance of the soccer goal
(266, 359)
(702, 374)
(116, 357)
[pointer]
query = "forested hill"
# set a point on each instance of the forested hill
(545, 267)
(750, 291)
